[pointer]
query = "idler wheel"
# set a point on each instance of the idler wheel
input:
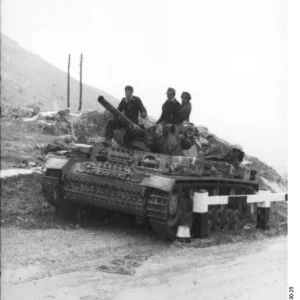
(227, 219)
(175, 211)
(218, 220)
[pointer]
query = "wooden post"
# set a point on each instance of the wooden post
(68, 87)
(80, 85)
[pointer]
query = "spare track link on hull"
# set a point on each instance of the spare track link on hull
(158, 204)
(124, 198)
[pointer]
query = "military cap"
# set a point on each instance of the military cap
(171, 91)
(128, 88)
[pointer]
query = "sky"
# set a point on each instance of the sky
(230, 55)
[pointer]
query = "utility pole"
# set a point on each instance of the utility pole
(68, 87)
(80, 85)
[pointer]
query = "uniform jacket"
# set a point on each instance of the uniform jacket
(131, 108)
(170, 112)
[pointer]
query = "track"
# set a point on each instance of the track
(165, 219)
(162, 222)
(165, 211)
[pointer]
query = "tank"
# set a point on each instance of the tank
(153, 176)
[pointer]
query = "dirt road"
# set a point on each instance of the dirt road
(116, 264)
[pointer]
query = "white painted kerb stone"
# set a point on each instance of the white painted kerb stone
(183, 232)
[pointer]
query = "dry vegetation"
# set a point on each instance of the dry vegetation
(19, 142)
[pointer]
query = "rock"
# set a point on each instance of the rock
(89, 124)
(35, 109)
(267, 172)
(21, 112)
(51, 129)
(18, 112)
(57, 128)
(62, 143)
(62, 152)
(248, 226)
(31, 119)
(41, 146)
(64, 112)
(82, 139)
(56, 145)
(203, 131)
(66, 139)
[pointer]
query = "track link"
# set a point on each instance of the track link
(162, 223)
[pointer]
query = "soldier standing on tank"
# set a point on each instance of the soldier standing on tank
(170, 110)
(186, 107)
(130, 106)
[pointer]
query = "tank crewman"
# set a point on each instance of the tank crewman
(186, 107)
(170, 109)
(130, 106)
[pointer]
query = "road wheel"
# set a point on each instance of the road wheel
(227, 219)
(218, 220)
(164, 213)
(236, 220)
(209, 221)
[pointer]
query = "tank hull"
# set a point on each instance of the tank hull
(122, 185)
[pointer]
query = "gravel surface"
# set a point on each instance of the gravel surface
(90, 264)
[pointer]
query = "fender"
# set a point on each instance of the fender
(159, 182)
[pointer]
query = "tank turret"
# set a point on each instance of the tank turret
(156, 138)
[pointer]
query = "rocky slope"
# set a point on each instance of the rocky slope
(270, 179)
(27, 79)
(30, 84)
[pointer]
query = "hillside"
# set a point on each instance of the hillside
(270, 178)
(27, 78)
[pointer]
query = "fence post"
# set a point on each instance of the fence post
(263, 215)
(80, 85)
(200, 210)
(68, 83)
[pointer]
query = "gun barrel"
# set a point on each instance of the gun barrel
(118, 114)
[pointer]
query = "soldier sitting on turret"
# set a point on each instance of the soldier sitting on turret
(186, 107)
(130, 106)
(170, 110)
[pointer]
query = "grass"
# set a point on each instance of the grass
(19, 142)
